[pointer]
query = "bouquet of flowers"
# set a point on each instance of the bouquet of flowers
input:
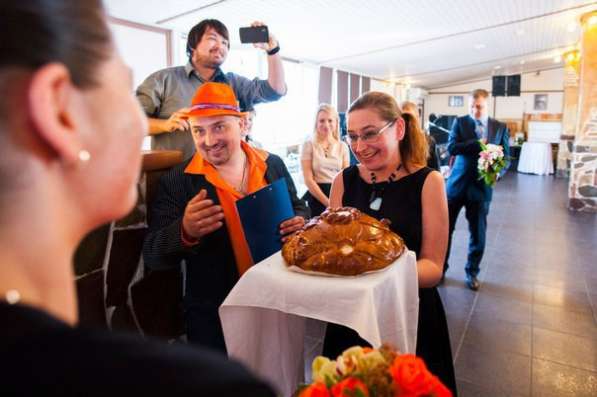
(491, 162)
(366, 372)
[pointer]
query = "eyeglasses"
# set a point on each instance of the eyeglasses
(367, 137)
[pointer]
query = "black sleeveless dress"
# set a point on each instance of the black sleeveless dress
(402, 206)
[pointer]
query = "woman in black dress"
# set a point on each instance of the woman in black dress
(393, 182)
(70, 139)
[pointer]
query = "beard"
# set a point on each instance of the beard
(209, 61)
(217, 155)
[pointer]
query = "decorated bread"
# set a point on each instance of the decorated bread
(343, 241)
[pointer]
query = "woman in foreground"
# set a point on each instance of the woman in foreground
(70, 140)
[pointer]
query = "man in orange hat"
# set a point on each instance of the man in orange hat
(194, 216)
(165, 94)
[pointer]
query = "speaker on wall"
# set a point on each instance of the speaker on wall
(498, 86)
(513, 85)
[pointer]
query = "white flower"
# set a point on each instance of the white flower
(323, 368)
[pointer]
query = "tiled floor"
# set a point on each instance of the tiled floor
(531, 329)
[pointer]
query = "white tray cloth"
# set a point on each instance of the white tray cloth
(535, 158)
(272, 319)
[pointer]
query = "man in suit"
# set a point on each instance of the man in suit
(464, 187)
(194, 217)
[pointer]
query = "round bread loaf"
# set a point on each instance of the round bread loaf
(343, 241)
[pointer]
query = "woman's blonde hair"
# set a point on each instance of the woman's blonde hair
(326, 107)
(413, 148)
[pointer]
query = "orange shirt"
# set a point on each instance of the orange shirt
(228, 195)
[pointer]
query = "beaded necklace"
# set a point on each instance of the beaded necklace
(377, 193)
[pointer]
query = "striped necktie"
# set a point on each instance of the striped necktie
(479, 129)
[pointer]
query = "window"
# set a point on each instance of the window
(282, 126)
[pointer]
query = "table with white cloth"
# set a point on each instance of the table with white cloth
(536, 158)
(274, 319)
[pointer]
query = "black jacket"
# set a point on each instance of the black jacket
(42, 356)
(211, 270)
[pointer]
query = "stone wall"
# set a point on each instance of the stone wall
(583, 176)
(114, 289)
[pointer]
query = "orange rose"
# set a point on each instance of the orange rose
(439, 390)
(349, 387)
(315, 390)
(411, 377)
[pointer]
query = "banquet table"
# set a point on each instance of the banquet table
(274, 319)
(536, 158)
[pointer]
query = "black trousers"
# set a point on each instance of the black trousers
(204, 328)
(476, 215)
(314, 205)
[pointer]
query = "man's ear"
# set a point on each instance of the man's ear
(50, 100)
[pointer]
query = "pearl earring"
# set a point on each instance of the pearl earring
(12, 296)
(84, 155)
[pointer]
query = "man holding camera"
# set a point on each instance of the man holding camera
(167, 93)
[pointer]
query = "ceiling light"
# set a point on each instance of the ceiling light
(522, 62)
(572, 27)
(557, 59)
(479, 46)
(570, 57)
(520, 32)
(496, 67)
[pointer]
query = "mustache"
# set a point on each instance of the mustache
(218, 145)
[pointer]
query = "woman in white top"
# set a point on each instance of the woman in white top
(322, 157)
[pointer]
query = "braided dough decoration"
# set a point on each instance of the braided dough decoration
(343, 241)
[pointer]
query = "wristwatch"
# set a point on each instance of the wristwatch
(274, 50)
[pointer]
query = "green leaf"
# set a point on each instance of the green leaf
(359, 393)
(329, 381)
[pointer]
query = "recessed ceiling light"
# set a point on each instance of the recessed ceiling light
(572, 27)
(479, 46)
(522, 62)
(496, 67)
(520, 32)
(557, 59)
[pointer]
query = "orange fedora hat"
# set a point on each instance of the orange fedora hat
(214, 99)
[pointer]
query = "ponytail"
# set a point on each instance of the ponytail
(414, 149)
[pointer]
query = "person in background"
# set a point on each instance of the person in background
(194, 217)
(323, 155)
(70, 140)
(464, 187)
(166, 94)
(413, 110)
(392, 182)
(247, 128)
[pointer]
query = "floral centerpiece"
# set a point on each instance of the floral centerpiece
(491, 162)
(366, 372)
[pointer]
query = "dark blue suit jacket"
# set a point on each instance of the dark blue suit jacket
(463, 143)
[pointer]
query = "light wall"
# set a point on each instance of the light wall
(133, 39)
(549, 82)
(383, 86)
